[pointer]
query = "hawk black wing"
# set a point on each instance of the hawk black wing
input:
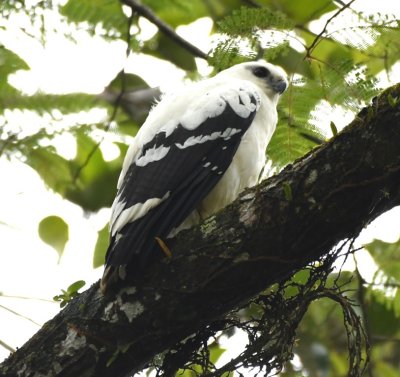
(167, 180)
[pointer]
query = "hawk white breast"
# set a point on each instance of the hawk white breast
(194, 154)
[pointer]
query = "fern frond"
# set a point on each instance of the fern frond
(247, 21)
(291, 142)
(385, 52)
(346, 84)
(374, 39)
(244, 36)
(273, 52)
(295, 135)
(228, 53)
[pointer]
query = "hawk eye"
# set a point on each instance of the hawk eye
(261, 72)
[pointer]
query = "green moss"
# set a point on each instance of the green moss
(208, 226)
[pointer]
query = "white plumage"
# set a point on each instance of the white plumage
(197, 150)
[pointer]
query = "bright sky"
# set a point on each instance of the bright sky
(28, 267)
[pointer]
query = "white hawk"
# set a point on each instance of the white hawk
(197, 150)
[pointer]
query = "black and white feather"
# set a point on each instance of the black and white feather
(195, 153)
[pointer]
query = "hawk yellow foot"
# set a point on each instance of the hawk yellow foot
(164, 247)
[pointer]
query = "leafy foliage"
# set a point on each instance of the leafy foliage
(245, 31)
(106, 13)
(246, 22)
(178, 12)
(387, 257)
(67, 295)
(83, 180)
(294, 136)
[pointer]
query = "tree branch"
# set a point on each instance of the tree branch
(261, 239)
(147, 13)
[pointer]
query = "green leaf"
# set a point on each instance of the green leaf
(299, 279)
(95, 179)
(66, 296)
(130, 82)
(54, 231)
(243, 27)
(87, 180)
(386, 256)
(52, 168)
(382, 319)
(384, 53)
(287, 190)
(97, 12)
(10, 63)
(227, 53)
(103, 239)
(164, 47)
(75, 287)
(215, 352)
(333, 128)
(178, 12)
(303, 11)
(393, 101)
(291, 141)
(355, 92)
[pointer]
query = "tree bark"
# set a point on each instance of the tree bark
(262, 238)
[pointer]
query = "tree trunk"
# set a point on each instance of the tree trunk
(262, 238)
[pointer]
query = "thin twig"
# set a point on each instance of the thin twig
(6, 346)
(19, 315)
(27, 298)
(319, 36)
(147, 13)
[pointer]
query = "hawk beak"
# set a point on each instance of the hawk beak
(280, 86)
